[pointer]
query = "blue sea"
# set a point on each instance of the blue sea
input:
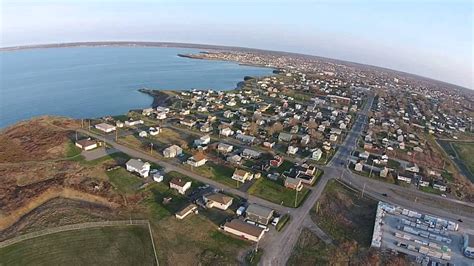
(86, 82)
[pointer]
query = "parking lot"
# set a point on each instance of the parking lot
(425, 237)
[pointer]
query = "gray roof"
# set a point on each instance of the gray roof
(260, 211)
(135, 163)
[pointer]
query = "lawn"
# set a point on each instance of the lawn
(220, 173)
(72, 150)
(124, 181)
(466, 154)
(276, 192)
(285, 166)
(118, 245)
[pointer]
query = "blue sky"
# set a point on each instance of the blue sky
(429, 38)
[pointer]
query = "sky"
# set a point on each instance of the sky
(424, 37)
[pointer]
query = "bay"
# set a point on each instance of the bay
(83, 82)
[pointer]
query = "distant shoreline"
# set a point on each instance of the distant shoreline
(222, 48)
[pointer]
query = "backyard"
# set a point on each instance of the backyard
(276, 192)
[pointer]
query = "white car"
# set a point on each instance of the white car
(275, 221)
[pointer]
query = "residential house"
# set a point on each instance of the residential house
(104, 127)
(259, 214)
(180, 185)
(224, 148)
(203, 140)
(359, 167)
(439, 185)
(292, 150)
(218, 200)
(316, 155)
(333, 137)
(405, 177)
(284, 137)
(143, 134)
(241, 175)
(154, 131)
(172, 151)
(197, 160)
(186, 211)
(276, 161)
(245, 138)
(131, 123)
(293, 183)
(226, 132)
(250, 154)
(412, 168)
(138, 166)
(244, 230)
(86, 144)
(305, 140)
(188, 122)
(384, 172)
(235, 159)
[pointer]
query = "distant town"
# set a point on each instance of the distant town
(323, 161)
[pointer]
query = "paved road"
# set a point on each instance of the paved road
(279, 247)
(169, 166)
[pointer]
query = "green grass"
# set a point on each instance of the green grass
(276, 192)
(466, 154)
(285, 166)
(118, 245)
(72, 150)
(283, 221)
(431, 190)
(124, 181)
(220, 173)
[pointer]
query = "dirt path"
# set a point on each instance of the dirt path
(49, 194)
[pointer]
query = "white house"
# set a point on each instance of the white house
(218, 200)
(317, 154)
(154, 131)
(358, 167)
(203, 140)
(292, 150)
(172, 151)
(104, 127)
(226, 132)
(225, 148)
(143, 134)
(133, 123)
(197, 160)
(250, 154)
(86, 144)
(180, 185)
(241, 175)
(138, 166)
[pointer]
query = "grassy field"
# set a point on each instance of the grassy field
(124, 181)
(349, 221)
(121, 245)
(310, 250)
(466, 154)
(344, 215)
(276, 192)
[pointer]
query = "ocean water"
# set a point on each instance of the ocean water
(96, 81)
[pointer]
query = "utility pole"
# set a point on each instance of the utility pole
(363, 191)
(89, 129)
(82, 123)
(151, 148)
(76, 135)
(296, 197)
(116, 135)
(371, 167)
